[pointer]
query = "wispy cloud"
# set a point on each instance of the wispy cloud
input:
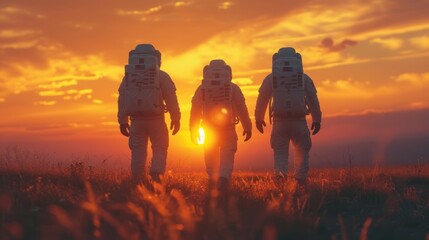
(394, 16)
(18, 45)
(59, 84)
(419, 105)
(63, 70)
(156, 10)
(421, 42)
(7, 13)
(348, 89)
(390, 43)
(242, 81)
(140, 13)
(46, 103)
(51, 93)
(418, 79)
(11, 33)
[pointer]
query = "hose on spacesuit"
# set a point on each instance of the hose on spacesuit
(270, 110)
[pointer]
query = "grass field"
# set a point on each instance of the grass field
(40, 200)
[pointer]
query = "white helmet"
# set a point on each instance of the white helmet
(218, 65)
(147, 48)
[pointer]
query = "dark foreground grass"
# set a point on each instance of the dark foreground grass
(82, 202)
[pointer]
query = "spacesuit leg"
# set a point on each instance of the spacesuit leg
(211, 158)
(138, 144)
(302, 144)
(228, 148)
(211, 152)
(280, 144)
(158, 135)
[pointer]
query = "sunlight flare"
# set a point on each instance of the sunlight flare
(201, 136)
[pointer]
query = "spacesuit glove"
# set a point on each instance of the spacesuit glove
(125, 129)
(260, 124)
(248, 134)
(175, 126)
(315, 126)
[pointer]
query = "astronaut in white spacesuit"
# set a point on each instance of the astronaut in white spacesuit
(145, 94)
(217, 105)
(294, 96)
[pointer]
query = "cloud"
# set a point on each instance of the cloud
(85, 91)
(385, 15)
(8, 13)
(421, 42)
(56, 126)
(46, 103)
(390, 43)
(417, 79)
(242, 81)
(77, 94)
(236, 50)
(250, 90)
(17, 45)
(328, 44)
(345, 89)
(97, 101)
(352, 89)
(59, 84)
(225, 5)
(51, 93)
(45, 127)
(181, 3)
(254, 44)
(157, 10)
(62, 70)
(12, 33)
(139, 13)
(419, 105)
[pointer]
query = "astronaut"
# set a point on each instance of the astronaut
(145, 94)
(218, 105)
(294, 96)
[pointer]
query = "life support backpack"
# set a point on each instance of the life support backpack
(142, 95)
(217, 94)
(288, 85)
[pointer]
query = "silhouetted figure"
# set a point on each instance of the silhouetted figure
(145, 94)
(294, 96)
(217, 106)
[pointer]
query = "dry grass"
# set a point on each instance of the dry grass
(80, 201)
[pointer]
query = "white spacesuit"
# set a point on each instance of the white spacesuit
(145, 94)
(216, 105)
(289, 122)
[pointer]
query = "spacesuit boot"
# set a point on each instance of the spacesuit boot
(223, 185)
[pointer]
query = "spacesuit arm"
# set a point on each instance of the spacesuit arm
(265, 93)
(196, 110)
(196, 114)
(240, 108)
(312, 100)
(169, 96)
(122, 116)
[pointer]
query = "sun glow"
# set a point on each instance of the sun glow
(201, 136)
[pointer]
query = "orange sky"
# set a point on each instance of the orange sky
(61, 63)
